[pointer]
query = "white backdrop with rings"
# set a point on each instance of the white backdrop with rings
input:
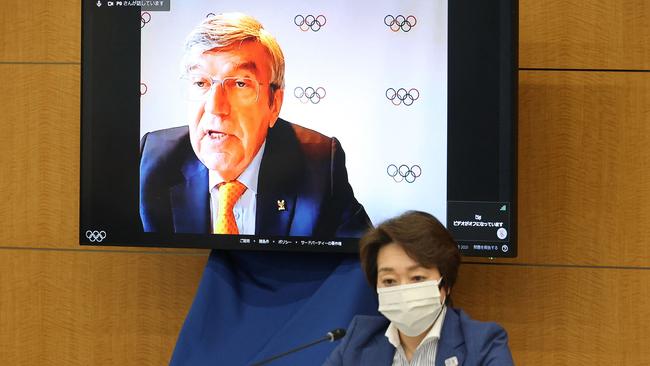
(372, 73)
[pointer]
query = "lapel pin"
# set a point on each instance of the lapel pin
(281, 205)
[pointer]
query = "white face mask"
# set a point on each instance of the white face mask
(412, 308)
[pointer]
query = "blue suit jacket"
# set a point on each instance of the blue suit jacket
(302, 167)
(472, 342)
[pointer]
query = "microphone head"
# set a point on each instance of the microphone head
(336, 334)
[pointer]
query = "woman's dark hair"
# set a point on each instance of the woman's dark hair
(422, 237)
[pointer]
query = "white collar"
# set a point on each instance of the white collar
(248, 177)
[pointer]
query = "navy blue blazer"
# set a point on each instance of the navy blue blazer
(302, 167)
(472, 342)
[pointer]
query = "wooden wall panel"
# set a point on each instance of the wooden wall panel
(92, 308)
(584, 168)
(595, 34)
(39, 155)
(563, 316)
(40, 30)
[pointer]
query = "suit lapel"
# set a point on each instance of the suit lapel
(452, 342)
(280, 169)
(190, 200)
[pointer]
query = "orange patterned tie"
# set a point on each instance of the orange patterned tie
(229, 193)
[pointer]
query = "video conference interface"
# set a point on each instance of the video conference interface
(330, 124)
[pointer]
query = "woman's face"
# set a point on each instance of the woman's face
(395, 267)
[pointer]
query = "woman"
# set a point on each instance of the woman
(413, 261)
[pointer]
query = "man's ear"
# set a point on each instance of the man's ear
(276, 104)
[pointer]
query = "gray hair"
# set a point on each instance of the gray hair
(223, 30)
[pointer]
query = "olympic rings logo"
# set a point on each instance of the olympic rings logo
(400, 22)
(143, 89)
(404, 172)
(145, 18)
(401, 95)
(315, 23)
(95, 236)
(309, 94)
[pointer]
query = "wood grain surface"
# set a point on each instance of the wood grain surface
(93, 308)
(40, 31)
(594, 34)
(562, 316)
(39, 155)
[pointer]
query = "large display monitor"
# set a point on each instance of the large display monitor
(300, 124)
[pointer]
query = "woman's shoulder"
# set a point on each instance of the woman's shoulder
(474, 326)
(486, 342)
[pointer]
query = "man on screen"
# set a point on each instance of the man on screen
(237, 168)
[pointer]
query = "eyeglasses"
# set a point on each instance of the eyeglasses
(238, 90)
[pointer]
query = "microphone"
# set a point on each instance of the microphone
(333, 335)
(336, 334)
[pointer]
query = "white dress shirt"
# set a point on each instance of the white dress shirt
(425, 353)
(246, 206)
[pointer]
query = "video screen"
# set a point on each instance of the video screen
(290, 126)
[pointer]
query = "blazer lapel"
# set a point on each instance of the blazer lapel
(280, 170)
(452, 342)
(190, 200)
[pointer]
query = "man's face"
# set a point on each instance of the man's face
(227, 129)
